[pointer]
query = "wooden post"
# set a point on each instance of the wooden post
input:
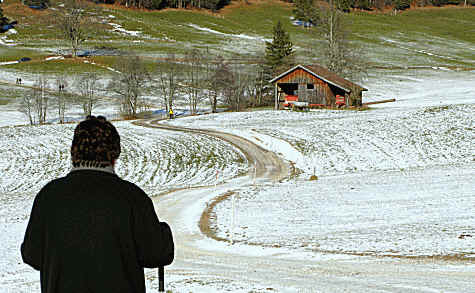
(161, 279)
(233, 220)
(302, 92)
(276, 98)
(379, 102)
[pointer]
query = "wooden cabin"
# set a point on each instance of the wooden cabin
(317, 87)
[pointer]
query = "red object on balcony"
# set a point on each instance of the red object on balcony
(316, 105)
(291, 98)
(340, 100)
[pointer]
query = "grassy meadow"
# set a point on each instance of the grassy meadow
(437, 37)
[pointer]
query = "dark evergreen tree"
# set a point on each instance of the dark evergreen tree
(3, 19)
(345, 5)
(37, 3)
(278, 52)
(302, 10)
(402, 4)
(361, 4)
(278, 57)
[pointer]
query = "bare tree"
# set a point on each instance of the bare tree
(42, 99)
(221, 79)
(234, 83)
(342, 57)
(129, 84)
(194, 81)
(168, 77)
(61, 97)
(260, 87)
(211, 81)
(34, 103)
(27, 106)
(88, 85)
(73, 22)
(242, 81)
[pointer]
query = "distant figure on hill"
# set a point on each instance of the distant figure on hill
(170, 113)
(92, 231)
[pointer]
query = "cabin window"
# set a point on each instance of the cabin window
(310, 86)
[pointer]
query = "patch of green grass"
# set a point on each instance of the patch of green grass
(260, 18)
(14, 54)
(170, 26)
(4, 101)
(177, 31)
(440, 36)
(436, 109)
(9, 94)
(450, 23)
(66, 66)
(261, 108)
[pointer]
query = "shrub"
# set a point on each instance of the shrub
(402, 4)
(313, 178)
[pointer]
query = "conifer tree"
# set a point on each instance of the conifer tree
(345, 5)
(305, 10)
(402, 4)
(37, 3)
(278, 56)
(3, 19)
(279, 52)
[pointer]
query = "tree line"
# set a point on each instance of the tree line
(303, 8)
(52, 96)
(148, 4)
(160, 4)
(193, 80)
(300, 5)
(3, 19)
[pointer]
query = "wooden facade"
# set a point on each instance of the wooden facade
(316, 85)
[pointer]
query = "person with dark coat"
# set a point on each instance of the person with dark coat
(92, 231)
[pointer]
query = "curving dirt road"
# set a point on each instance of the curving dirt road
(206, 265)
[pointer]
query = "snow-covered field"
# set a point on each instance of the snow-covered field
(156, 160)
(419, 212)
(336, 142)
(396, 180)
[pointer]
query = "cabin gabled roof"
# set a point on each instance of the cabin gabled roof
(325, 75)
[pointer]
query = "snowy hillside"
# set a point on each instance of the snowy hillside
(395, 180)
(155, 160)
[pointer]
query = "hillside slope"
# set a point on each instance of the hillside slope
(441, 36)
(430, 39)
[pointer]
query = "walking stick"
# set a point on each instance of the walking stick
(161, 279)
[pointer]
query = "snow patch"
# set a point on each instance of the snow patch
(118, 28)
(54, 58)
(240, 36)
(9, 62)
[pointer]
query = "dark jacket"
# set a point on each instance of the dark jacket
(94, 232)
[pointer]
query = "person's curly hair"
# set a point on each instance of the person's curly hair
(96, 143)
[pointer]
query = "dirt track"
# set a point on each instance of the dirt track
(206, 265)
